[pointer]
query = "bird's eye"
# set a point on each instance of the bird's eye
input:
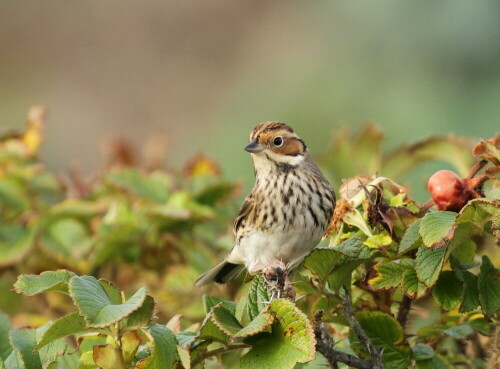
(278, 141)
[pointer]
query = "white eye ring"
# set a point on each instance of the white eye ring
(278, 141)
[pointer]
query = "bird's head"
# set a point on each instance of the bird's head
(275, 142)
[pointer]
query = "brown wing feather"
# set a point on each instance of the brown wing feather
(245, 209)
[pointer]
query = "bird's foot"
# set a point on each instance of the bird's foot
(277, 281)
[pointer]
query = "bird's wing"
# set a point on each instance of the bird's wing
(245, 209)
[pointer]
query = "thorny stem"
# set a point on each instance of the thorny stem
(404, 310)
(324, 345)
(375, 354)
(216, 352)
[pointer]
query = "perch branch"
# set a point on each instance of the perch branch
(404, 310)
(375, 354)
(324, 345)
(216, 352)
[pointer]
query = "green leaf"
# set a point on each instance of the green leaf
(470, 297)
(448, 290)
(429, 263)
(489, 287)
(410, 238)
(257, 297)
(389, 275)
(412, 286)
(261, 323)
(15, 242)
(30, 285)
(322, 260)
(436, 226)
(141, 317)
(465, 251)
(341, 274)
(422, 352)
(67, 240)
(386, 334)
(164, 354)
(113, 293)
(209, 331)
(5, 347)
(437, 362)
(459, 332)
(153, 186)
(24, 342)
(210, 301)
(225, 320)
(353, 247)
(62, 327)
(96, 306)
(291, 340)
(478, 212)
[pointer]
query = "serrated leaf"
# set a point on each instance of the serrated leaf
(225, 320)
(291, 340)
(353, 247)
(113, 293)
(164, 354)
(30, 284)
(478, 211)
(386, 334)
(141, 317)
(105, 356)
(448, 290)
(470, 297)
(261, 323)
(5, 327)
(412, 286)
(322, 260)
(257, 297)
(436, 227)
(210, 301)
(341, 274)
(96, 306)
(389, 275)
(23, 340)
(62, 327)
(422, 352)
(209, 331)
(410, 238)
(429, 263)
(489, 287)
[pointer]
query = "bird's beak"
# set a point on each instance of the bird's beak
(254, 147)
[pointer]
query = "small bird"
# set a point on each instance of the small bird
(287, 211)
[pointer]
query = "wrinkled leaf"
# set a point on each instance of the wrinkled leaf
(448, 290)
(291, 340)
(30, 285)
(96, 306)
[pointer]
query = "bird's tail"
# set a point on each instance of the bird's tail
(221, 273)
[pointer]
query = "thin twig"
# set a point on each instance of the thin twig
(404, 310)
(216, 352)
(375, 354)
(324, 345)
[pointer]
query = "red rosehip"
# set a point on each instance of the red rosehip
(448, 191)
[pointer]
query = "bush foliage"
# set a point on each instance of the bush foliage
(395, 283)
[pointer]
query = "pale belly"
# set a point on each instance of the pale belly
(259, 248)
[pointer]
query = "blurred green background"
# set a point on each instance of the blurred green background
(206, 72)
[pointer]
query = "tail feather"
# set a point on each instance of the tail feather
(221, 273)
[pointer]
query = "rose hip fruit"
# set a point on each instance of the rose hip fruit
(448, 191)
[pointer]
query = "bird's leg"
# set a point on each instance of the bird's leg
(277, 281)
